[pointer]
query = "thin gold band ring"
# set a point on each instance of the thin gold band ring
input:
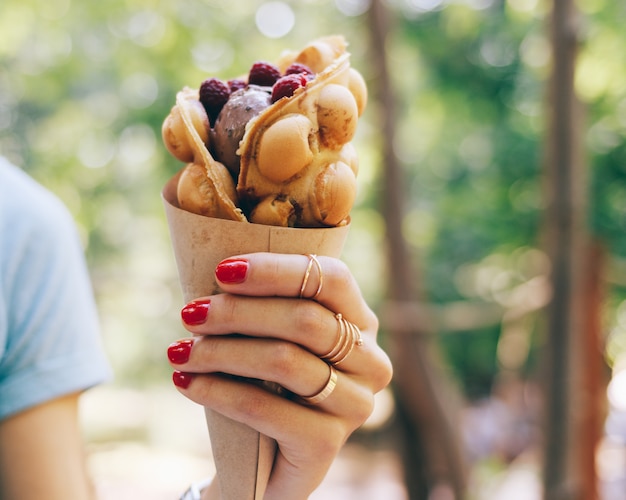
(349, 336)
(307, 275)
(326, 391)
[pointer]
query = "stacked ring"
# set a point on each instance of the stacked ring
(307, 274)
(326, 391)
(349, 335)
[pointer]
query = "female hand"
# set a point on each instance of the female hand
(282, 338)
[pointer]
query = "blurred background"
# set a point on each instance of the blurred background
(455, 239)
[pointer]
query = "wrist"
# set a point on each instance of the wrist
(211, 491)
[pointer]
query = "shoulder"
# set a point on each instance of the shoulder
(38, 233)
(41, 257)
(39, 244)
(40, 213)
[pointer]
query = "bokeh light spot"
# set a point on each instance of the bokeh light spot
(212, 56)
(617, 390)
(275, 19)
(424, 5)
(139, 90)
(353, 7)
(95, 150)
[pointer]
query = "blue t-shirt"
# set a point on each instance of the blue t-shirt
(50, 341)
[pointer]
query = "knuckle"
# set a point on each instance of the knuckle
(363, 409)
(206, 349)
(337, 274)
(285, 360)
(227, 310)
(373, 321)
(202, 389)
(307, 318)
(383, 373)
(326, 445)
(254, 406)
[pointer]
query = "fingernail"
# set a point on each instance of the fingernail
(178, 352)
(182, 379)
(195, 313)
(232, 270)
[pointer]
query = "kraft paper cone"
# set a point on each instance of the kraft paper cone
(243, 457)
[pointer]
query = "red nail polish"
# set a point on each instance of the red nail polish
(178, 352)
(195, 313)
(182, 379)
(232, 270)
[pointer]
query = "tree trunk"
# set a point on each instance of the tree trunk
(594, 374)
(425, 398)
(570, 315)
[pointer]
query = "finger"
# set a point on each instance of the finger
(267, 274)
(348, 400)
(283, 363)
(302, 322)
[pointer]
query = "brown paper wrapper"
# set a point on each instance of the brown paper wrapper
(243, 457)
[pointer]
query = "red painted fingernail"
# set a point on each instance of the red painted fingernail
(232, 270)
(182, 379)
(178, 352)
(195, 313)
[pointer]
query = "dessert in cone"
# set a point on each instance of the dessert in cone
(294, 164)
(285, 183)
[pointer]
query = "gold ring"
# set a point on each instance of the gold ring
(326, 391)
(307, 274)
(341, 334)
(349, 335)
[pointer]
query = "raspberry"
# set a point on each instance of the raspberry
(214, 94)
(236, 85)
(264, 74)
(295, 68)
(287, 85)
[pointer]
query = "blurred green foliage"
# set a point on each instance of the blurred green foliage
(85, 86)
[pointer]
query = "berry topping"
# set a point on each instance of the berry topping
(287, 85)
(264, 74)
(236, 85)
(295, 68)
(214, 94)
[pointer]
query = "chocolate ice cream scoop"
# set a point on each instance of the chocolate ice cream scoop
(230, 126)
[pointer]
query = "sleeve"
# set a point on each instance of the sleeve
(52, 343)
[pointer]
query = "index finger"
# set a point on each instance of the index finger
(285, 275)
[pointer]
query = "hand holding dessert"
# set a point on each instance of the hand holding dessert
(328, 364)
(272, 148)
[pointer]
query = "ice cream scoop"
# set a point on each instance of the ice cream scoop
(229, 128)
